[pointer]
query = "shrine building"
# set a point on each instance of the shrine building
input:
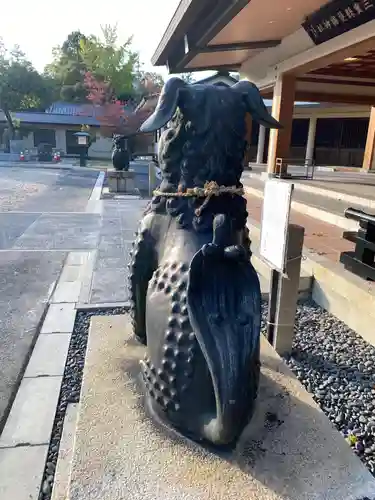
(313, 60)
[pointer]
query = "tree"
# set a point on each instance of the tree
(115, 116)
(148, 83)
(103, 57)
(110, 62)
(21, 86)
(68, 68)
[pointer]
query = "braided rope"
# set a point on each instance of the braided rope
(210, 189)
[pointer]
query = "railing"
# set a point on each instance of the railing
(282, 165)
(362, 261)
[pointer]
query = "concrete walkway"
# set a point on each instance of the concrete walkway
(42, 218)
(106, 280)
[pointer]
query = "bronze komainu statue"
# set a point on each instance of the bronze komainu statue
(195, 295)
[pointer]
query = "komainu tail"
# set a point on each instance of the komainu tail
(224, 301)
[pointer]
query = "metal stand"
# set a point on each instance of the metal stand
(284, 294)
(82, 157)
(272, 305)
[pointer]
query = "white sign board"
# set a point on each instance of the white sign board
(275, 221)
(82, 140)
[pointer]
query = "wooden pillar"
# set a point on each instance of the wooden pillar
(282, 110)
(369, 156)
(249, 128)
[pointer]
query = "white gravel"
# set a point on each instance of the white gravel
(337, 366)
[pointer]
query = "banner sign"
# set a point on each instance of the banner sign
(337, 17)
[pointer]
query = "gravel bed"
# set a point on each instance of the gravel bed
(70, 389)
(337, 366)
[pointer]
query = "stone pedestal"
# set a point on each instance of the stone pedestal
(121, 181)
(289, 451)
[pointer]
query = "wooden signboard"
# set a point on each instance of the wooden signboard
(337, 17)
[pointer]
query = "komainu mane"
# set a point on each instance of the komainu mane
(195, 294)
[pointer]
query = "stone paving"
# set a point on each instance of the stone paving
(61, 231)
(42, 217)
(89, 241)
(119, 222)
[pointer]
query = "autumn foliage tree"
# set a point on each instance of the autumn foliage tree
(148, 83)
(115, 116)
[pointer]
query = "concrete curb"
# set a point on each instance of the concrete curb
(64, 461)
(107, 195)
(94, 204)
(103, 305)
(316, 213)
(343, 294)
(55, 166)
(27, 431)
(334, 195)
(97, 190)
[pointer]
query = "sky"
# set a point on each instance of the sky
(39, 25)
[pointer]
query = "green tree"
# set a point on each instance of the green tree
(103, 57)
(21, 86)
(68, 68)
(110, 62)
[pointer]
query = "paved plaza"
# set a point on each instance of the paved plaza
(42, 217)
(109, 281)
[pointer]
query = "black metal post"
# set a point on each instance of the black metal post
(82, 157)
(272, 305)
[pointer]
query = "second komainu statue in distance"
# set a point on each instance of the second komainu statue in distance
(195, 296)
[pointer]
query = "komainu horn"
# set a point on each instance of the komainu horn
(195, 296)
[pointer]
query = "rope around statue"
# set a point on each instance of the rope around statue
(209, 190)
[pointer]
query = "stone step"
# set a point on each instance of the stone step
(354, 190)
(345, 295)
(341, 192)
(318, 206)
(119, 453)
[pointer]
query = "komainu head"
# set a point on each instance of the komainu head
(205, 139)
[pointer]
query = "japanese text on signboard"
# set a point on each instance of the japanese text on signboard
(337, 17)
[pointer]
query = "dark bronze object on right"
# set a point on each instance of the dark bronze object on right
(195, 296)
(120, 153)
(362, 260)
